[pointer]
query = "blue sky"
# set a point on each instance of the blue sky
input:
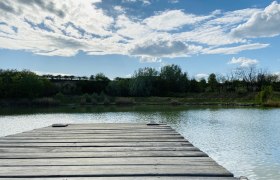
(117, 37)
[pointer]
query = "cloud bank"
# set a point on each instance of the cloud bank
(243, 62)
(66, 27)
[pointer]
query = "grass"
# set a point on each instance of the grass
(221, 99)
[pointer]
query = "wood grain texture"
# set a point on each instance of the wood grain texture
(109, 170)
(105, 151)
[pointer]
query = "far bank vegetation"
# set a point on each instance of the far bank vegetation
(170, 85)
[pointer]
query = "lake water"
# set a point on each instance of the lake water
(244, 140)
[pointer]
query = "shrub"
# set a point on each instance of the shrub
(175, 102)
(124, 101)
(94, 97)
(59, 96)
(85, 99)
(106, 101)
(264, 95)
(45, 102)
(101, 97)
(241, 90)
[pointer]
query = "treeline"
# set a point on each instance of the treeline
(169, 81)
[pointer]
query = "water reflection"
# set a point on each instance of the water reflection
(245, 141)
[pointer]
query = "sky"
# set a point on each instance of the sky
(117, 37)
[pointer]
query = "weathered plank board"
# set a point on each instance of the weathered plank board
(102, 154)
(105, 151)
(105, 144)
(85, 140)
(195, 161)
(132, 178)
(96, 136)
(109, 170)
(93, 149)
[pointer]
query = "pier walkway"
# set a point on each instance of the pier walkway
(105, 151)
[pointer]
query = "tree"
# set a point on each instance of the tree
(173, 78)
(118, 87)
(212, 82)
(202, 85)
(101, 77)
(141, 84)
(92, 77)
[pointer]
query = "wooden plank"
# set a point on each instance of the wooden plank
(115, 144)
(125, 170)
(132, 178)
(93, 137)
(2, 141)
(190, 161)
(36, 155)
(93, 149)
(123, 151)
(101, 132)
(107, 128)
(148, 128)
(109, 125)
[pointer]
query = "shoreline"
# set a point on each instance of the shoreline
(19, 104)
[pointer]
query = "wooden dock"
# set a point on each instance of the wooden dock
(105, 151)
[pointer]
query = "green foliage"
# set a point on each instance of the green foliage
(23, 84)
(141, 84)
(101, 97)
(59, 96)
(87, 98)
(101, 77)
(94, 97)
(265, 94)
(124, 101)
(106, 101)
(241, 90)
(173, 79)
(45, 102)
(212, 83)
(118, 87)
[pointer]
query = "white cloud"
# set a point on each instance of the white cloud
(201, 76)
(145, 2)
(243, 61)
(208, 35)
(172, 20)
(52, 73)
(6, 29)
(233, 17)
(235, 49)
(278, 75)
(153, 50)
(131, 29)
(65, 27)
(261, 24)
(173, 1)
(119, 9)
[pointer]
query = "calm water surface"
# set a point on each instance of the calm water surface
(244, 140)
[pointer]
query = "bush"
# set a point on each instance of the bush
(101, 97)
(106, 101)
(175, 102)
(45, 102)
(94, 97)
(241, 90)
(124, 101)
(59, 96)
(85, 99)
(264, 95)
